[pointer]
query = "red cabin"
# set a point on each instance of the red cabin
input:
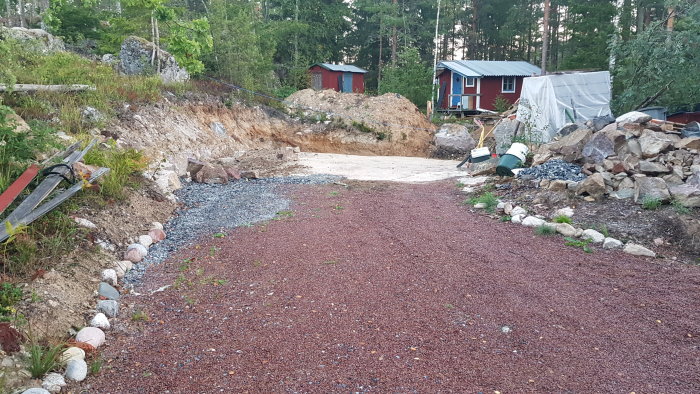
(344, 78)
(474, 85)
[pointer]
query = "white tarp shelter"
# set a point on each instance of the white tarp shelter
(549, 102)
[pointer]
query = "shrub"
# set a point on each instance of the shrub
(545, 230)
(123, 164)
(651, 203)
(9, 296)
(501, 104)
(680, 208)
(563, 219)
(487, 198)
(43, 359)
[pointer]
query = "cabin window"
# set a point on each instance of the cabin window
(469, 82)
(508, 85)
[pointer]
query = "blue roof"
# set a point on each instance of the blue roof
(346, 68)
(491, 68)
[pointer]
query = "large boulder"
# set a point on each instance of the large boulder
(454, 139)
(570, 147)
(504, 133)
(687, 195)
(648, 187)
(593, 186)
(653, 143)
(135, 59)
(34, 39)
(598, 148)
(633, 117)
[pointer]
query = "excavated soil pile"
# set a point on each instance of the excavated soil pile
(385, 125)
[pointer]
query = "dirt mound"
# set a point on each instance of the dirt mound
(386, 125)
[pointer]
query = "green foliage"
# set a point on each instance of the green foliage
(590, 27)
(43, 359)
(579, 243)
(9, 296)
(545, 230)
(506, 218)
(96, 365)
(488, 198)
(680, 208)
(123, 164)
(77, 22)
(651, 203)
(285, 91)
(563, 219)
(188, 42)
(657, 58)
(501, 104)
(410, 77)
(18, 150)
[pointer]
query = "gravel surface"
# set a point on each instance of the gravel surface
(554, 169)
(210, 209)
(400, 288)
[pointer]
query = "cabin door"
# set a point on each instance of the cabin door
(457, 90)
(317, 82)
(347, 82)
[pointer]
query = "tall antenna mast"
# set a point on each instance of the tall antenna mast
(437, 23)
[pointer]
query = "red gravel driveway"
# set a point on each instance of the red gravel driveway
(400, 288)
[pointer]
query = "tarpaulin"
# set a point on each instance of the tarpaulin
(549, 102)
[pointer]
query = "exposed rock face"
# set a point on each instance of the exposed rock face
(648, 187)
(135, 59)
(36, 39)
(454, 139)
(598, 148)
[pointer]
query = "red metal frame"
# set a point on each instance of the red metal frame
(17, 186)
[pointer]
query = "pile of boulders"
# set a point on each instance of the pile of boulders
(632, 157)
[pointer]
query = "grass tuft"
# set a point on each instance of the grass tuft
(487, 198)
(651, 203)
(563, 219)
(43, 359)
(545, 230)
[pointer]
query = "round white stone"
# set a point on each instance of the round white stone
(53, 382)
(91, 335)
(145, 240)
(100, 321)
(76, 370)
(35, 391)
(72, 353)
(143, 251)
(156, 225)
(109, 276)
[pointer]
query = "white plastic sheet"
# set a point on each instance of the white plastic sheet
(549, 102)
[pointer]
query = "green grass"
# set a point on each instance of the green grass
(140, 315)
(545, 230)
(220, 235)
(563, 219)
(123, 165)
(680, 208)
(506, 218)
(487, 198)
(10, 295)
(43, 359)
(579, 243)
(651, 203)
(96, 365)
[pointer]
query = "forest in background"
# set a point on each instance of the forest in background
(651, 46)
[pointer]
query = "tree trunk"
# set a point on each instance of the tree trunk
(545, 37)
(381, 53)
(21, 14)
(8, 10)
(394, 38)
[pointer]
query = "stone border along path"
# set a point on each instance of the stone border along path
(519, 215)
(401, 288)
(208, 209)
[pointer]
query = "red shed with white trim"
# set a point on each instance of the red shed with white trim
(344, 78)
(474, 85)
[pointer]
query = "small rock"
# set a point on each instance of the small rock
(633, 117)
(518, 211)
(517, 218)
(108, 307)
(100, 321)
(145, 240)
(638, 250)
(557, 185)
(532, 221)
(85, 223)
(133, 256)
(91, 335)
(109, 276)
(53, 382)
(142, 249)
(500, 205)
(508, 208)
(107, 291)
(594, 186)
(566, 229)
(157, 235)
(612, 243)
(250, 174)
(36, 390)
(566, 211)
(481, 205)
(122, 267)
(156, 225)
(76, 370)
(593, 235)
(72, 353)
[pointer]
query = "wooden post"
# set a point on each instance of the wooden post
(20, 87)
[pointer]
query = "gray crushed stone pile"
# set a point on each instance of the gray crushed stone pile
(554, 169)
(209, 209)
